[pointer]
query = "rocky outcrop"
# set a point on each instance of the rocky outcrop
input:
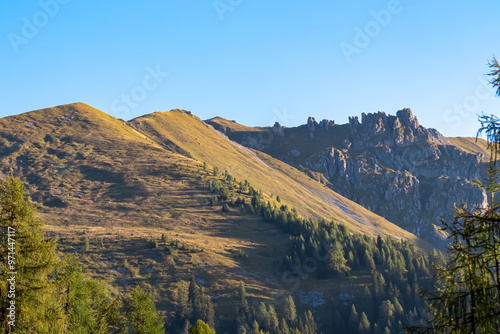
(311, 124)
(400, 130)
(325, 124)
(400, 170)
(278, 130)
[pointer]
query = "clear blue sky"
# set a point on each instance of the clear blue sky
(253, 61)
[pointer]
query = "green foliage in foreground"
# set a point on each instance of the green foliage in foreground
(201, 328)
(47, 295)
(466, 298)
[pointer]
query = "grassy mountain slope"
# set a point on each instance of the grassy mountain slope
(270, 175)
(471, 145)
(96, 178)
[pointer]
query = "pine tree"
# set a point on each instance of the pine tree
(495, 73)
(284, 328)
(255, 327)
(336, 260)
(364, 324)
(201, 328)
(273, 319)
(386, 311)
(263, 315)
(87, 304)
(353, 318)
(242, 293)
(141, 313)
(397, 306)
(310, 325)
(37, 308)
(379, 284)
(467, 298)
(290, 312)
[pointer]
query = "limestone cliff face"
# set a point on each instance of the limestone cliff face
(402, 171)
(392, 165)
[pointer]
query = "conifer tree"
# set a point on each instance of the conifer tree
(336, 260)
(141, 313)
(353, 318)
(467, 295)
(284, 328)
(86, 303)
(263, 315)
(273, 319)
(255, 327)
(310, 325)
(37, 309)
(290, 310)
(364, 323)
(201, 328)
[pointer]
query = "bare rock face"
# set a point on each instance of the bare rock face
(311, 124)
(278, 130)
(410, 181)
(325, 124)
(407, 119)
(400, 130)
(354, 124)
(400, 170)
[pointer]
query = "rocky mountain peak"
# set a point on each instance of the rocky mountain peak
(324, 124)
(311, 124)
(407, 119)
(278, 130)
(376, 129)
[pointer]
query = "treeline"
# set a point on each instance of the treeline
(398, 268)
